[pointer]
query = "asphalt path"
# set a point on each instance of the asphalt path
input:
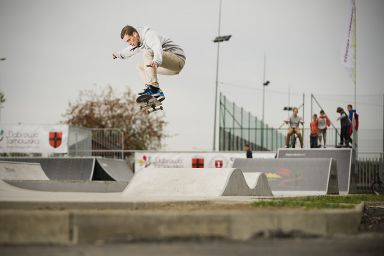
(362, 244)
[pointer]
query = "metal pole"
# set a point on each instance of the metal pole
(354, 52)
(122, 145)
(383, 125)
(311, 105)
(249, 127)
(263, 90)
(217, 81)
(262, 114)
(354, 132)
(303, 117)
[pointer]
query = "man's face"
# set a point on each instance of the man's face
(349, 108)
(295, 111)
(133, 40)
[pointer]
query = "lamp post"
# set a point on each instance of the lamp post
(265, 83)
(219, 39)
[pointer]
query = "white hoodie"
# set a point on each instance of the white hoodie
(151, 40)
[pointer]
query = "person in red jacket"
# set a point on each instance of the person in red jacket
(323, 123)
(314, 131)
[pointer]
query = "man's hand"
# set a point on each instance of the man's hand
(153, 65)
(115, 55)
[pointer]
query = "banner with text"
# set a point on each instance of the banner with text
(34, 139)
(191, 159)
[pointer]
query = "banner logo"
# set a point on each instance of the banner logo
(55, 139)
(197, 162)
(219, 163)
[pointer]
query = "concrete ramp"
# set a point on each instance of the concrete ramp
(117, 170)
(70, 185)
(196, 182)
(21, 171)
(344, 161)
(294, 176)
(60, 168)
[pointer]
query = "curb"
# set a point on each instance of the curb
(82, 226)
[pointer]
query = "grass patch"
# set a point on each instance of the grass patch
(319, 202)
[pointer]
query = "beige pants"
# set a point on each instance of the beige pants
(171, 65)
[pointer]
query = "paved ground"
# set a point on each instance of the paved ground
(363, 244)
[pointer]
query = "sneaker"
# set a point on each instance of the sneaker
(145, 90)
(161, 96)
(153, 91)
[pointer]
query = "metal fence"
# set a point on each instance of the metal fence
(238, 127)
(79, 141)
(368, 170)
(108, 142)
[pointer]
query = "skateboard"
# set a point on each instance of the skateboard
(149, 103)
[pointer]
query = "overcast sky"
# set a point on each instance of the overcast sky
(56, 48)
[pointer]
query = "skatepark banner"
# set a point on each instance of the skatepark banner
(45, 139)
(190, 159)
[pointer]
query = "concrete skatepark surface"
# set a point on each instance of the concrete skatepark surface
(115, 168)
(29, 175)
(21, 171)
(197, 182)
(161, 185)
(29, 216)
(70, 185)
(344, 159)
(61, 168)
(307, 176)
(79, 168)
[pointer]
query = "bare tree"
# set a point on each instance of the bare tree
(104, 109)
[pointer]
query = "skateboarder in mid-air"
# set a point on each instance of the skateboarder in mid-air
(161, 56)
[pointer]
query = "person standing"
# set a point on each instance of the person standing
(248, 151)
(344, 125)
(314, 131)
(323, 123)
(354, 123)
(294, 127)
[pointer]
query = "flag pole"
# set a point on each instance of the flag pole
(354, 52)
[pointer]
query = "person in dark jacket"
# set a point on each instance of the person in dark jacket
(248, 150)
(344, 125)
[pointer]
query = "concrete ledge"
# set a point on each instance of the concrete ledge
(34, 227)
(20, 226)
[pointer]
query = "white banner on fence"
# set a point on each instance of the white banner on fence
(33, 138)
(190, 159)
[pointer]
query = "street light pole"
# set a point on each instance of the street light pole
(218, 40)
(265, 83)
(217, 79)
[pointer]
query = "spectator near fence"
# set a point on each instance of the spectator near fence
(247, 150)
(314, 131)
(323, 123)
(344, 125)
(354, 122)
(294, 127)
